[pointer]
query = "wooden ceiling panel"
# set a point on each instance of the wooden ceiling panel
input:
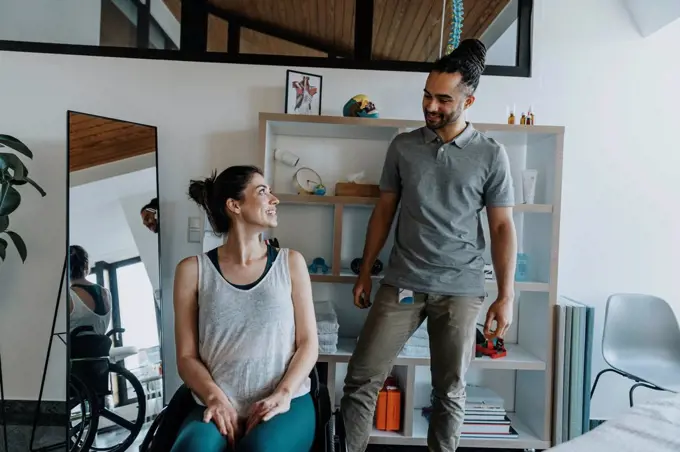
(403, 30)
(478, 16)
(94, 140)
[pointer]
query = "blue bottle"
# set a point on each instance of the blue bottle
(522, 268)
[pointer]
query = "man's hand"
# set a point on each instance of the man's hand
(500, 311)
(362, 291)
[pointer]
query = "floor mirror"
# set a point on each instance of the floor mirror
(114, 314)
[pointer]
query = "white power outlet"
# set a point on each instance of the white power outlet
(195, 232)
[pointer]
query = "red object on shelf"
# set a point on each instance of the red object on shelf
(388, 408)
(492, 349)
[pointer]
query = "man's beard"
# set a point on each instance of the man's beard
(443, 119)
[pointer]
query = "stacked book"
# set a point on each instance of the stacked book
(485, 415)
(573, 361)
(327, 326)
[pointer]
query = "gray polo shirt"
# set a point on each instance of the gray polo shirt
(443, 187)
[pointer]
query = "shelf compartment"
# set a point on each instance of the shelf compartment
(289, 198)
(347, 277)
(517, 358)
(348, 127)
(525, 439)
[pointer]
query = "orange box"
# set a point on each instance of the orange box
(381, 411)
(388, 409)
(393, 410)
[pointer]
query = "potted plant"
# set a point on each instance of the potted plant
(13, 174)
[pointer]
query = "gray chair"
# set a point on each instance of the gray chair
(641, 341)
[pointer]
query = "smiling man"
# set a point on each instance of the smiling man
(443, 175)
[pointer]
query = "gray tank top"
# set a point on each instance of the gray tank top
(246, 338)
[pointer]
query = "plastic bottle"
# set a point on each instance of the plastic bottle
(522, 267)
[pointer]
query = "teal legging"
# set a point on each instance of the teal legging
(292, 431)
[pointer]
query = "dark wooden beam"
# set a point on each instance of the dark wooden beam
(194, 27)
(234, 38)
(524, 37)
(143, 24)
(363, 30)
(274, 30)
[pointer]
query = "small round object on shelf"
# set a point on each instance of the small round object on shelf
(306, 181)
(360, 106)
(355, 266)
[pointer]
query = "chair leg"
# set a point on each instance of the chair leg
(644, 385)
(597, 378)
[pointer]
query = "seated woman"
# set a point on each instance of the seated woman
(245, 328)
(89, 303)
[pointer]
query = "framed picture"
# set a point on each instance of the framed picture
(303, 93)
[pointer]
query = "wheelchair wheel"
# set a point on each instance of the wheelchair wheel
(339, 435)
(83, 422)
(133, 427)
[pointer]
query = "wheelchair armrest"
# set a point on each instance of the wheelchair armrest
(115, 330)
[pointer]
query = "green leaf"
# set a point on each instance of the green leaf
(3, 249)
(9, 199)
(14, 143)
(4, 223)
(12, 162)
(36, 186)
(19, 244)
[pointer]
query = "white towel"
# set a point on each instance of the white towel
(328, 339)
(328, 348)
(421, 332)
(418, 342)
(411, 350)
(326, 318)
(324, 327)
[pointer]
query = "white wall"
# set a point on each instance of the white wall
(145, 240)
(57, 21)
(104, 215)
(615, 92)
(103, 231)
(651, 16)
(503, 52)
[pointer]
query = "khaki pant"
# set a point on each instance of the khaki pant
(451, 327)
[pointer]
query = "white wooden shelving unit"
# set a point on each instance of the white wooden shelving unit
(334, 228)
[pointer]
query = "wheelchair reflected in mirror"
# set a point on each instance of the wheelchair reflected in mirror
(95, 374)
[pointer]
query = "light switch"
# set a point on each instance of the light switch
(194, 230)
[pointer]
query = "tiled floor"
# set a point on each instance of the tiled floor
(115, 437)
(108, 439)
(19, 437)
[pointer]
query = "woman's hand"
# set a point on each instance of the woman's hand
(265, 409)
(222, 413)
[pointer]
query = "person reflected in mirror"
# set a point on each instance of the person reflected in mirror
(89, 303)
(245, 328)
(442, 176)
(149, 214)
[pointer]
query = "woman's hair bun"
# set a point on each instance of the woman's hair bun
(200, 190)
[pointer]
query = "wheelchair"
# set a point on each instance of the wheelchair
(94, 364)
(328, 437)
